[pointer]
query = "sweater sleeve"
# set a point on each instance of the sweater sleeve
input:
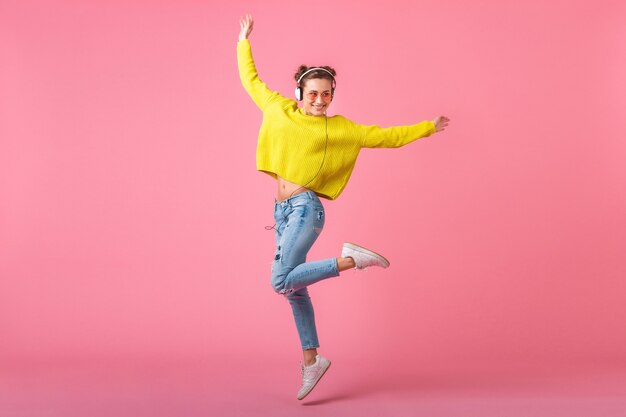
(250, 80)
(396, 136)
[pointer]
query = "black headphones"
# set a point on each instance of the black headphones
(300, 94)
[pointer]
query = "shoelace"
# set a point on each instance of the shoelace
(308, 377)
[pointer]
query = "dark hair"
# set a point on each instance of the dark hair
(314, 74)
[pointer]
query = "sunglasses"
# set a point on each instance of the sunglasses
(312, 95)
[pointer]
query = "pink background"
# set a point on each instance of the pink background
(132, 217)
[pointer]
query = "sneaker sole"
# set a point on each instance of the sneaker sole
(314, 385)
(361, 249)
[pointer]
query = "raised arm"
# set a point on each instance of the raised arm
(250, 80)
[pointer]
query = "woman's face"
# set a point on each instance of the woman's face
(317, 96)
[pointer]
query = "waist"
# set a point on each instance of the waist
(288, 189)
(308, 194)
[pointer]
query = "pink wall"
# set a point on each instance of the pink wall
(132, 218)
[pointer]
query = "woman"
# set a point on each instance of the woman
(311, 155)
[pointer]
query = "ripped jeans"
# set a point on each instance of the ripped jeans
(299, 221)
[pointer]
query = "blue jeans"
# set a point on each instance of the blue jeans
(299, 221)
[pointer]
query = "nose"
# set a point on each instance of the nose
(319, 100)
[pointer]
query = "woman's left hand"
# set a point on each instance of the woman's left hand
(440, 123)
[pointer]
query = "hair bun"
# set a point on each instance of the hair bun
(301, 70)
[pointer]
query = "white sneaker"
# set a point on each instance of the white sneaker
(312, 374)
(363, 257)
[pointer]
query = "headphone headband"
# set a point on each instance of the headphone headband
(313, 69)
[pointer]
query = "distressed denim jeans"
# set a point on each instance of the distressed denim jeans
(299, 221)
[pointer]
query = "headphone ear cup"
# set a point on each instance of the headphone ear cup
(298, 93)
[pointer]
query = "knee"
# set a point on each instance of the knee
(298, 298)
(280, 289)
(277, 286)
(280, 276)
(277, 281)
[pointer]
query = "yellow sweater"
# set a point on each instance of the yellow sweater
(292, 144)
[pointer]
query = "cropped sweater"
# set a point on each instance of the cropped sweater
(313, 151)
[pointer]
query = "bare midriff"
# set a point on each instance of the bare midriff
(288, 189)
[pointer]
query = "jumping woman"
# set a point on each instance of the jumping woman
(311, 155)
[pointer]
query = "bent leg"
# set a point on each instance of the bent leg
(290, 271)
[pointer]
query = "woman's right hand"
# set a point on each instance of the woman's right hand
(246, 23)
